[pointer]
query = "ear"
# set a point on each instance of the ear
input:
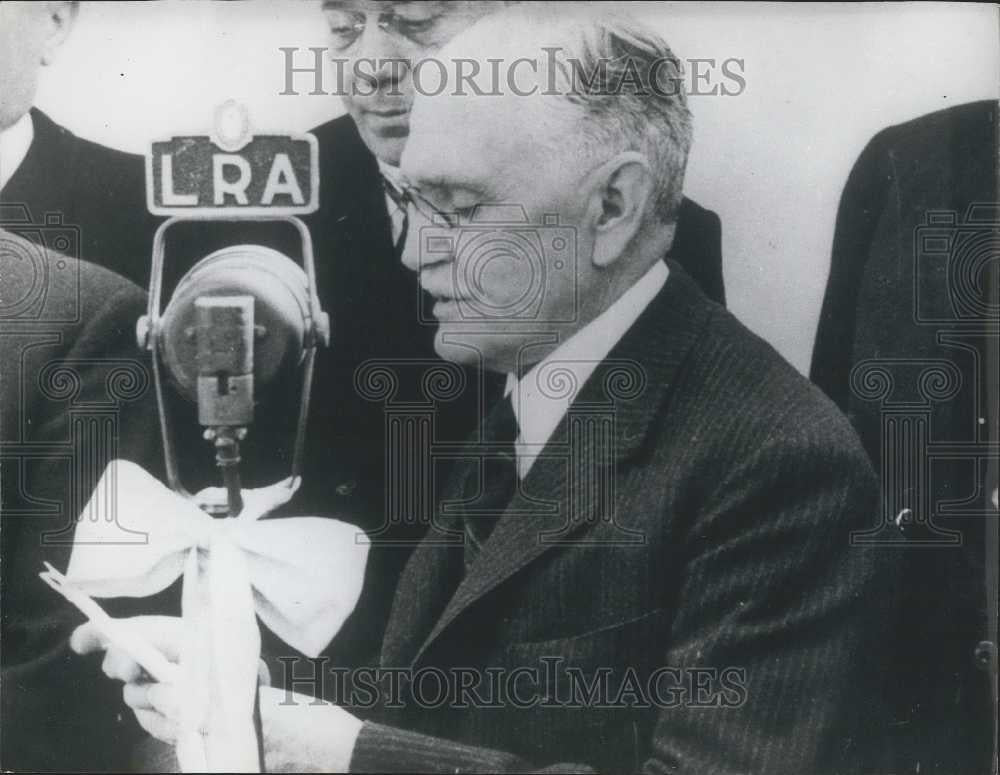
(620, 196)
(61, 16)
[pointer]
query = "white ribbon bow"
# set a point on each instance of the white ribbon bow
(302, 576)
(306, 572)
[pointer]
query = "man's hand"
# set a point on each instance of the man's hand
(301, 734)
(154, 704)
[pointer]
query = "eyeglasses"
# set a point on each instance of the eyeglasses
(407, 195)
(414, 22)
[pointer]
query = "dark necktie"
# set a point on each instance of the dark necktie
(399, 198)
(492, 480)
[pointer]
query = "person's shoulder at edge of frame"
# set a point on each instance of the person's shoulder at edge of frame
(92, 285)
(107, 161)
(965, 120)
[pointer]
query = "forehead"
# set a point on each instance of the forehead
(458, 135)
(459, 139)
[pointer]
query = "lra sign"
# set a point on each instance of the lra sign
(232, 172)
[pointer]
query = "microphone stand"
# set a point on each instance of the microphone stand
(227, 458)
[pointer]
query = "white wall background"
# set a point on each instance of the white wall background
(821, 79)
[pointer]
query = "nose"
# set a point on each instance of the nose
(427, 245)
(411, 253)
(383, 53)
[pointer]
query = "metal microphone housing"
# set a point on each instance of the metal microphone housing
(281, 315)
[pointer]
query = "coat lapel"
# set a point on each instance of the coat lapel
(433, 572)
(608, 423)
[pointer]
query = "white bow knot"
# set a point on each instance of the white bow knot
(306, 572)
(301, 575)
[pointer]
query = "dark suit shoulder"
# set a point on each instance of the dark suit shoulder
(46, 285)
(342, 129)
(341, 146)
(691, 209)
(349, 174)
(923, 140)
(109, 165)
(737, 380)
(124, 172)
(971, 119)
(97, 191)
(698, 248)
(103, 289)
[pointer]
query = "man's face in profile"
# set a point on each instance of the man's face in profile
(508, 274)
(380, 42)
(23, 34)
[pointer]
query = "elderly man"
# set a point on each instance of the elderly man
(644, 560)
(380, 317)
(360, 232)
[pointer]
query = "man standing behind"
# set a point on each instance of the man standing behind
(644, 562)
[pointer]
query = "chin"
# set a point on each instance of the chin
(465, 348)
(454, 352)
(388, 149)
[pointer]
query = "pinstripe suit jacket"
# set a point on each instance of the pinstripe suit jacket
(672, 589)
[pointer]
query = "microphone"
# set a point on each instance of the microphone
(224, 336)
(239, 320)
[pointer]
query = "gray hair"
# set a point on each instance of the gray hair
(629, 85)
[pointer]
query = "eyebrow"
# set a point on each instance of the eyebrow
(438, 188)
(342, 5)
(447, 180)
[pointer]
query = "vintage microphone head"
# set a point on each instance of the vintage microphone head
(281, 313)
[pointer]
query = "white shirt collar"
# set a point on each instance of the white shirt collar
(542, 396)
(15, 141)
(390, 172)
